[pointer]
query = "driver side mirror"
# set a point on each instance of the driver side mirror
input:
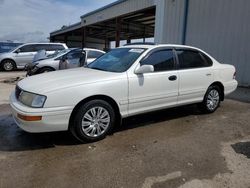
(144, 69)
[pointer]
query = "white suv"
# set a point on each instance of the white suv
(24, 54)
(123, 82)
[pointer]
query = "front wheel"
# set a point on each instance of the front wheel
(93, 121)
(211, 99)
(8, 65)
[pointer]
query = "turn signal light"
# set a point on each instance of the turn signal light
(29, 118)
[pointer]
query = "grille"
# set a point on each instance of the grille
(18, 92)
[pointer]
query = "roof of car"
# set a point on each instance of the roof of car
(43, 43)
(150, 46)
(93, 49)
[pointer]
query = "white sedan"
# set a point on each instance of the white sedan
(126, 81)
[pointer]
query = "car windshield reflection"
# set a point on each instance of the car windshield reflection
(117, 60)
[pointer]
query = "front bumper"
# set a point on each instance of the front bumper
(53, 119)
(31, 69)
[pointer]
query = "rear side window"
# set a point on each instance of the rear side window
(37, 47)
(189, 59)
(75, 55)
(41, 47)
(28, 48)
(161, 60)
(54, 47)
(94, 54)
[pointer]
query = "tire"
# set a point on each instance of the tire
(93, 121)
(8, 65)
(46, 69)
(211, 99)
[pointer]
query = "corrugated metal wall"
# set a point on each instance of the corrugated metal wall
(169, 21)
(220, 27)
(117, 10)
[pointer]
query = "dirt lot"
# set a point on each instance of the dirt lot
(171, 148)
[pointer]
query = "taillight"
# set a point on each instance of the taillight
(234, 75)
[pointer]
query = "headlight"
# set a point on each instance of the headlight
(31, 99)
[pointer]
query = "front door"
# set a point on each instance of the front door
(25, 55)
(156, 90)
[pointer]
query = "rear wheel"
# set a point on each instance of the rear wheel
(8, 65)
(211, 99)
(93, 121)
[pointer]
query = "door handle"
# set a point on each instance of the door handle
(172, 78)
(208, 74)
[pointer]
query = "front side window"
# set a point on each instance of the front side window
(28, 48)
(117, 60)
(189, 59)
(161, 60)
(39, 47)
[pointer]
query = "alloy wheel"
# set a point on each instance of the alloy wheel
(8, 66)
(213, 99)
(95, 121)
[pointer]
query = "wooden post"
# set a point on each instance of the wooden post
(118, 32)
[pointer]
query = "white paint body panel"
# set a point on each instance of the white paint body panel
(134, 94)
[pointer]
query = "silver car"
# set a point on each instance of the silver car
(24, 54)
(65, 59)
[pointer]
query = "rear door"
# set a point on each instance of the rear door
(74, 58)
(156, 90)
(195, 75)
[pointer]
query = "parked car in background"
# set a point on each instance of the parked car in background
(8, 46)
(24, 54)
(123, 82)
(65, 59)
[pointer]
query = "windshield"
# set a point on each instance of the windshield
(58, 53)
(117, 60)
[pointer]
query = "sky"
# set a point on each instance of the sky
(33, 20)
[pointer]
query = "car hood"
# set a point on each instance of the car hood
(47, 61)
(47, 82)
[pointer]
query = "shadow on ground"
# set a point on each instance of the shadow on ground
(13, 138)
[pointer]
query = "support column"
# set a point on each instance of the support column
(118, 32)
(106, 44)
(52, 39)
(65, 38)
(167, 30)
(144, 34)
(83, 42)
